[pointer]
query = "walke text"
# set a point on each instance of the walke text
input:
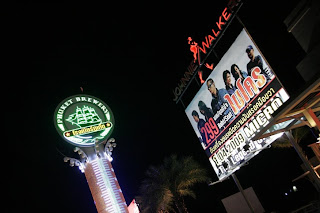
(225, 16)
(215, 32)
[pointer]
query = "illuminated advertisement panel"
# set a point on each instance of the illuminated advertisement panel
(83, 120)
(238, 98)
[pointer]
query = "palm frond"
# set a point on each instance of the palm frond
(187, 192)
(166, 200)
(166, 184)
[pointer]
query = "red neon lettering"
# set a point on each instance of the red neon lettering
(199, 57)
(225, 14)
(214, 33)
(204, 45)
(200, 77)
(211, 38)
(250, 86)
(220, 23)
(230, 102)
(261, 79)
(210, 67)
(193, 48)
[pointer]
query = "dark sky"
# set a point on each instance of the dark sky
(130, 55)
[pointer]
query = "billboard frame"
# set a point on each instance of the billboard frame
(253, 101)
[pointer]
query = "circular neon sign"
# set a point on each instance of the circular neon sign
(83, 120)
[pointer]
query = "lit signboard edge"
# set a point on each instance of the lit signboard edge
(107, 126)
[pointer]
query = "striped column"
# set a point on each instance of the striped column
(104, 187)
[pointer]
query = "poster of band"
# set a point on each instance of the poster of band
(238, 98)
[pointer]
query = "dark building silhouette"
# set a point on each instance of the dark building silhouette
(304, 24)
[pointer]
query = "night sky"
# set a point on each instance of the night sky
(131, 56)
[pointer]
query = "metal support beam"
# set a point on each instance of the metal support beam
(312, 118)
(315, 177)
(242, 192)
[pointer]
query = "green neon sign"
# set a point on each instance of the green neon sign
(83, 120)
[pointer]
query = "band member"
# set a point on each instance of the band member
(200, 123)
(255, 61)
(227, 81)
(218, 101)
(204, 110)
(237, 73)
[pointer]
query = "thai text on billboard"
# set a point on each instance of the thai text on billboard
(238, 98)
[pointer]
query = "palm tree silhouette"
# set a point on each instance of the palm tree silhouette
(166, 186)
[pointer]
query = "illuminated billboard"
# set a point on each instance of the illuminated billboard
(83, 120)
(238, 98)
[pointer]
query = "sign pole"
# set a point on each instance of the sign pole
(87, 122)
(242, 192)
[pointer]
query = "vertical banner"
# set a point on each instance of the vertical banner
(238, 99)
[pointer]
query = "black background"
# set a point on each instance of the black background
(131, 56)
